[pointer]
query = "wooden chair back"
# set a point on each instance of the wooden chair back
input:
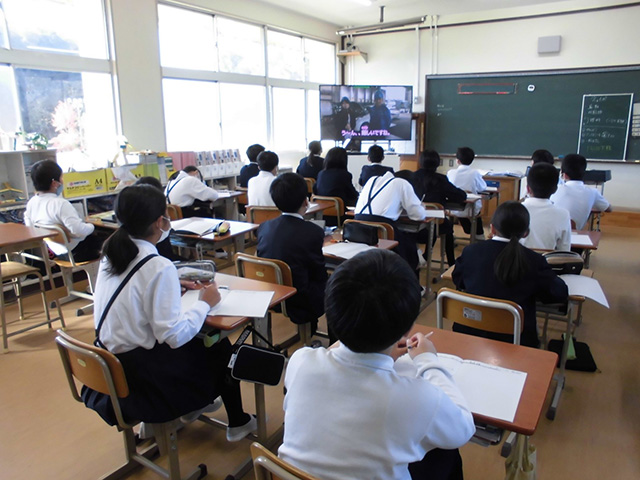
(483, 313)
(263, 269)
(385, 230)
(336, 211)
(61, 236)
(267, 466)
(261, 214)
(310, 183)
(174, 211)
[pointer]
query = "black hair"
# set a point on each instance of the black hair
(315, 147)
(137, 208)
(288, 192)
(336, 158)
(404, 174)
(542, 156)
(574, 166)
(267, 161)
(511, 220)
(465, 155)
(372, 300)
(192, 168)
(153, 181)
(542, 179)
(253, 151)
(376, 154)
(43, 173)
(429, 160)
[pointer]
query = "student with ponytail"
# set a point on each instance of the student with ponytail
(171, 374)
(502, 268)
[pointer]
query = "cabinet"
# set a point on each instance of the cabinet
(15, 172)
(509, 190)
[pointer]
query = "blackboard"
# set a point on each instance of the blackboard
(511, 115)
(604, 126)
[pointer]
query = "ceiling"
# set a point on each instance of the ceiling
(350, 13)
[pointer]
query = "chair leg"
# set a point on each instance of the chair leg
(134, 458)
(44, 301)
(91, 269)
(17, 290)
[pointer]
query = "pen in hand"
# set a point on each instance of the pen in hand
(409, 347)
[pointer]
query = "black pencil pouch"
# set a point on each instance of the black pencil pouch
(254, 364)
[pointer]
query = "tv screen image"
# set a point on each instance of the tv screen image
(359, 112)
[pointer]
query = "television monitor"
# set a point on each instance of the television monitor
(365, 112)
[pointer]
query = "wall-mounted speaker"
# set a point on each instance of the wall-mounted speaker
(550, 44)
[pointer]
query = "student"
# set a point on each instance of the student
(335, 180)
(503, 268)
(258, 188)
(311, 165)
(169, 371)
(542, 156)
(376, 155)
(348, 413)
(380, 119)
(383, 199)
(251, 169)
(344, 120)
(549, 225)
(299, 244)
(433, 187)
(574, 195)
(470, 180)
(187, 190)
(48, 207)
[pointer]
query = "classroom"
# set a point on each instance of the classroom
(596, 433)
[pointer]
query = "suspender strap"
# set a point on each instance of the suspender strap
(370, 199)
(137, 267)
(171, 188)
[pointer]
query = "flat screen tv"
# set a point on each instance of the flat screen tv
(365, 112)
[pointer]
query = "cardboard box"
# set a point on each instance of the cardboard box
(142, 170)
(80, 184)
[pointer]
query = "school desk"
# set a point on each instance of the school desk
(228, 200)
(538, 364)
(16, 237)
(263, 325)
(317, 207)
(484, 197)
(333, 261)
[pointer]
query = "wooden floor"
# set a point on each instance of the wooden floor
(596, 433)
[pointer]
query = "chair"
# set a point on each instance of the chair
(438, 221)
(260, 215)
(12, 274)
(100, 370)
(337, 210)
(385, 230)
(89, 267)
(174, 211)
(488, 314)
(310, 183)
(272, 271)
(267, 466)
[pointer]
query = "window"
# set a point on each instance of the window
(71, 27)
(192, 115)
(285, 56)
(187, 39)
(313, 115)
(288, 119)
(320, 61)
(241, 47)
(243, 115)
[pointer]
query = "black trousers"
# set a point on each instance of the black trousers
(438, 464)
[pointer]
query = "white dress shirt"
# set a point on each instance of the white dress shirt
(579, 200)
(397, 196)
(52, 209)
(258, 190)
(549, 227)
(148, 308)
(185, 189)
(470, 180)
(352, 416)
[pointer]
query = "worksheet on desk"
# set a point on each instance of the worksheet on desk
(234, 303)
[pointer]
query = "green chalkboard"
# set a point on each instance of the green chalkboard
(511, 115)
(604, 126)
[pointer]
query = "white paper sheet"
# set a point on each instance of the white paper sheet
(234, 303)
(311, 205)
(489, 390)
(473, 196)
(345, 250)
(580, 239)
(585, 286)
(197, 226)
(435, 213)
(491, 189)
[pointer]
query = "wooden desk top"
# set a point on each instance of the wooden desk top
(97, 220)
(235, 229)
(17, 233)
(539, 364)
(238, 283)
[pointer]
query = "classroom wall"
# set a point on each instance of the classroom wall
(589, 39)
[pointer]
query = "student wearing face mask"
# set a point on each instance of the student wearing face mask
(48, 207)
(138, 317)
